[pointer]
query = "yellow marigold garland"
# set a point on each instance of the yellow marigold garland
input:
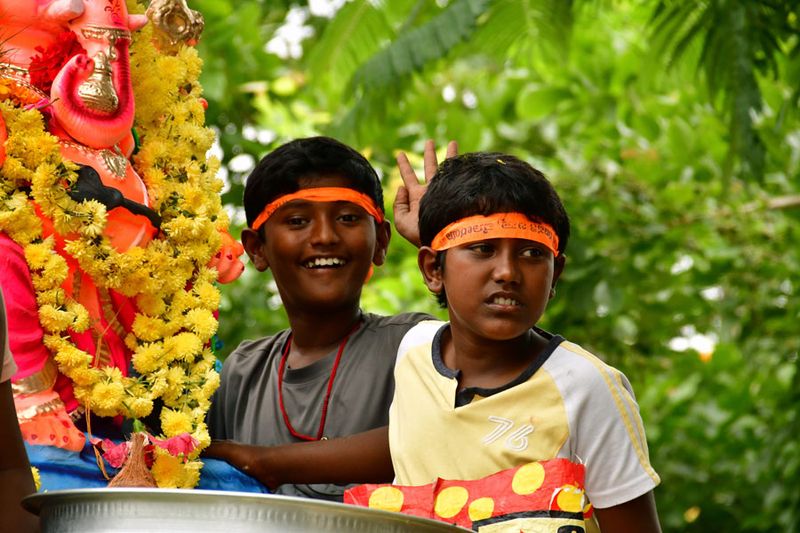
(37, 478)
(173, 289)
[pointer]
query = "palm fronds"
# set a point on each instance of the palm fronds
(736, 40)
(414, 49)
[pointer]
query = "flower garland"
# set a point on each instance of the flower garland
(173, 289)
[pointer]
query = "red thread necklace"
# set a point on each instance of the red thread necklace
(327, 399)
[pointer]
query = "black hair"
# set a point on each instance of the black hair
(484, 183)
(279, 172)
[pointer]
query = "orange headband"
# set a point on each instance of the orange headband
(496, 226)
(321, 194)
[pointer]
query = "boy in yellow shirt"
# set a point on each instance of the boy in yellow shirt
(488, 390)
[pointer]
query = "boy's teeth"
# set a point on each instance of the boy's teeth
(505, 301)
(325, 261)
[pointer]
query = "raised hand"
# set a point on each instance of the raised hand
(406, 203)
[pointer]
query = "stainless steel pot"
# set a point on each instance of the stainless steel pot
(199, 511)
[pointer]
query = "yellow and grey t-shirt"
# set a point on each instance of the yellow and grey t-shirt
(567, 404)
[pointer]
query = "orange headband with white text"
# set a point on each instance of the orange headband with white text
(321, 194)
(495, 226)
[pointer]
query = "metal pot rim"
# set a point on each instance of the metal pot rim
(290, 506)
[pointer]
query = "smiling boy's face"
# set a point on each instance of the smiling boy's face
(497, 289)
(319, 252)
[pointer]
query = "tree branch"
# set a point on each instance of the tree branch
(778, 202)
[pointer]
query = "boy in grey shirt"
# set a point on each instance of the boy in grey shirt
(316, 219)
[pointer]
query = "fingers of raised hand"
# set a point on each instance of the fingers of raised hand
(430, 163)
(406, 170)
(401, 199)
(429, 158)
(452, 149)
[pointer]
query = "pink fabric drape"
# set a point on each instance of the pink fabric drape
(26, 333)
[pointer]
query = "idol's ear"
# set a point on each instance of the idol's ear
(383, 234)
(431, 267)
(254, 246)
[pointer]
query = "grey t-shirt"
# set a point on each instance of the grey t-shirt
(245, 408)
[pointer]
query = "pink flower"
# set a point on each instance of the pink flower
(177, 445)
(114, 453)
(41, 104)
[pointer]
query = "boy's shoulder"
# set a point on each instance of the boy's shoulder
(252, 353)
(581, 370)
(576, 352)
(383, 334)
(251, 346)
(421, 335)
(400, 320)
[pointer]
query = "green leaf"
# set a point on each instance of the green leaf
(138, 426)
(413, 50)
(519, 28)
(737, 38)
(625, 329)
(357, 31)
(537, 102)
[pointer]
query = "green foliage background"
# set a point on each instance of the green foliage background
(671, 131)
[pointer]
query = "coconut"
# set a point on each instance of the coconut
(134, 472)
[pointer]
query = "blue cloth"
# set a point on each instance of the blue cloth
(219, 475)
(62, 469)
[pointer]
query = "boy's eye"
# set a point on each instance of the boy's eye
(481, 248)
(349, 217)
(533, 251)
(295, 220)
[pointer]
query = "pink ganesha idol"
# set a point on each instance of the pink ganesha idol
(69, 60)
